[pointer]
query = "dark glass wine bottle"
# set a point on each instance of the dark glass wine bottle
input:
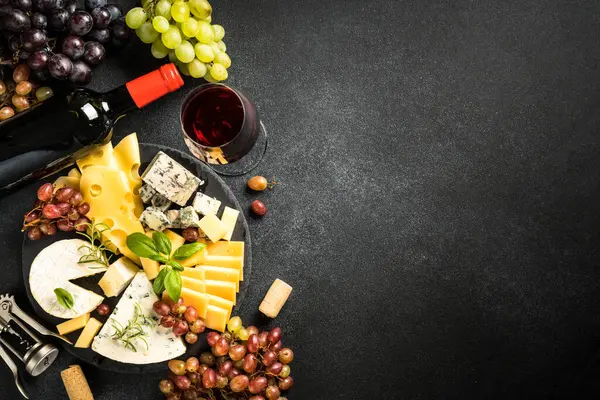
(53, 134)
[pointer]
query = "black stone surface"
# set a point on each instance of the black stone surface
(438, 213)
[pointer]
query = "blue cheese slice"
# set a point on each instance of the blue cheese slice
(54, 267)
(170, 179)
(163, 345)
(155, 219)
(206, 205)
(174, 221)
(188, 217)
(147, 193)
(161, 202)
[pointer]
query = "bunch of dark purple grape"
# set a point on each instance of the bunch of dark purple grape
(58, 40)
(63, 209)
(243, 364)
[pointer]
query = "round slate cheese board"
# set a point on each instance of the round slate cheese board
(213, 186)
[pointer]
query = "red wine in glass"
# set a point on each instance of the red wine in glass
(220, 126)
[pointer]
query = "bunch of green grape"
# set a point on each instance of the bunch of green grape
(182, 31)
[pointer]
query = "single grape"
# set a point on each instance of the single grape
(219, 73)
(286, 356)
(202, 368)
(73, 215)
(136, 17)
(58, 20)
(171, 38)
(21, 73)
(228, 336)
(204, 52)
(221, 347)
(98, 35)
(161, 308)
(197, 68)
(194, 377)
(285, 371)
(224, 368)
(183, 68)
(38, 61)
(257, 206)
(207, 358)
(115, 12)
(34, 233)
(252, 330)
(65, 225)
(185, 52)
(45, 192)
(272, 393)
(180, 11)
(180, 328)
(234, 324)
(59, 66)
(275, 368)
(209, 379)
(177, 367)
(48, 229)
(178, 308)
(50, 211)
(120, 30)
(64, 194)
(33, 39)
(81, 23)
(257, 385)
(63, 208)
(73, 46)
(92, 4)
(222, 46)
(23, 5)
(16, 21)
(103, 309)
(44, 93)
(172, 56)
(197, 326)
(160, 24)
(167, 321)
(39, 20)
(190, 314)
(250, 363)
(215, 48)
(222, 382)
(233, 373)
(276, 346)
(166, 386)
(212, 338)
(201, 8)
(93, 53)
(31, 216)
(81, 224)
(253, 344)
(239, 383)
(237, 352)
(163, 9)
(190, 27)
(286, 383)
(158, 49)
(262, 339)
(101, 17)
(71, 6)
(147, 33)
(190, 394)
(219, 32)
(223, 59)
(243, 334)
(205, 32)
(20, 102)
(274, 335)
(182, 382)
(269, 358)
(76, 199)
(191, 338)
(14, 43)
(192, 364)
(83, 208)
(190, 234)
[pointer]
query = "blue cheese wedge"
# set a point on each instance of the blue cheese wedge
(188, 217)
(173, 217)
(118, 275)
(147, 193)
(155, 219)
(170, 179)
(55, 267)
(163, 345)
(161, 202)
(206, 205)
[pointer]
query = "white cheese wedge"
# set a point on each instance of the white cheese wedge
(55, 267)
(118, 276)
(229, 219)
(163, 345)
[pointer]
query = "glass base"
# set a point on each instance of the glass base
(249, 161)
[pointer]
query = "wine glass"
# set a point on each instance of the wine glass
(221, 127)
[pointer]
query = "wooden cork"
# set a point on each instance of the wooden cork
(76, 384)
(275, 298)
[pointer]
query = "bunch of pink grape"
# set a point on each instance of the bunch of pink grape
(184, 320)
(243, 364)
(62, 210)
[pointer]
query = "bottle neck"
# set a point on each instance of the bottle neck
(118, 102)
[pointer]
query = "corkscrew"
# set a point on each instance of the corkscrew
(17, 335)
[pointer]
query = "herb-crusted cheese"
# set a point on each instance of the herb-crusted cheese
(206, 205)
(170, 179)
(163, 345)
(189, 218)
(155, 219)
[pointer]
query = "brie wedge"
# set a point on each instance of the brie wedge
(54, 268)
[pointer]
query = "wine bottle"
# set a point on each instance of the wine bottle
(53, 134)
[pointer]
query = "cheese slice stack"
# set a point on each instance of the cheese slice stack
(163, 345)
(55, 267)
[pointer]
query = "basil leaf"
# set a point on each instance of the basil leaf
(64, 298)
(176, 266)
(159, 282)
(188, 250)
(173, 285)
(141, 245)
(159, 257)
(162, 242)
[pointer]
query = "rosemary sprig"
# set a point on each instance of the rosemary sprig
(95, 253)
(134, 329)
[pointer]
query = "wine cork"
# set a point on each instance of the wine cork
(76, 384)
(275, 298)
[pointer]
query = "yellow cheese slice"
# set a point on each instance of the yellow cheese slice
(221, 303)
(225, 290)
(73, 324)
(127, 158)
(74, 173)
(66, 181)
(102, 156)
(221, 274)
(222, 248)
(176, 240)
(226, 262)
(89, 332)
(194, 260)
(193, 283)
(198, 300)
(216, 318)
